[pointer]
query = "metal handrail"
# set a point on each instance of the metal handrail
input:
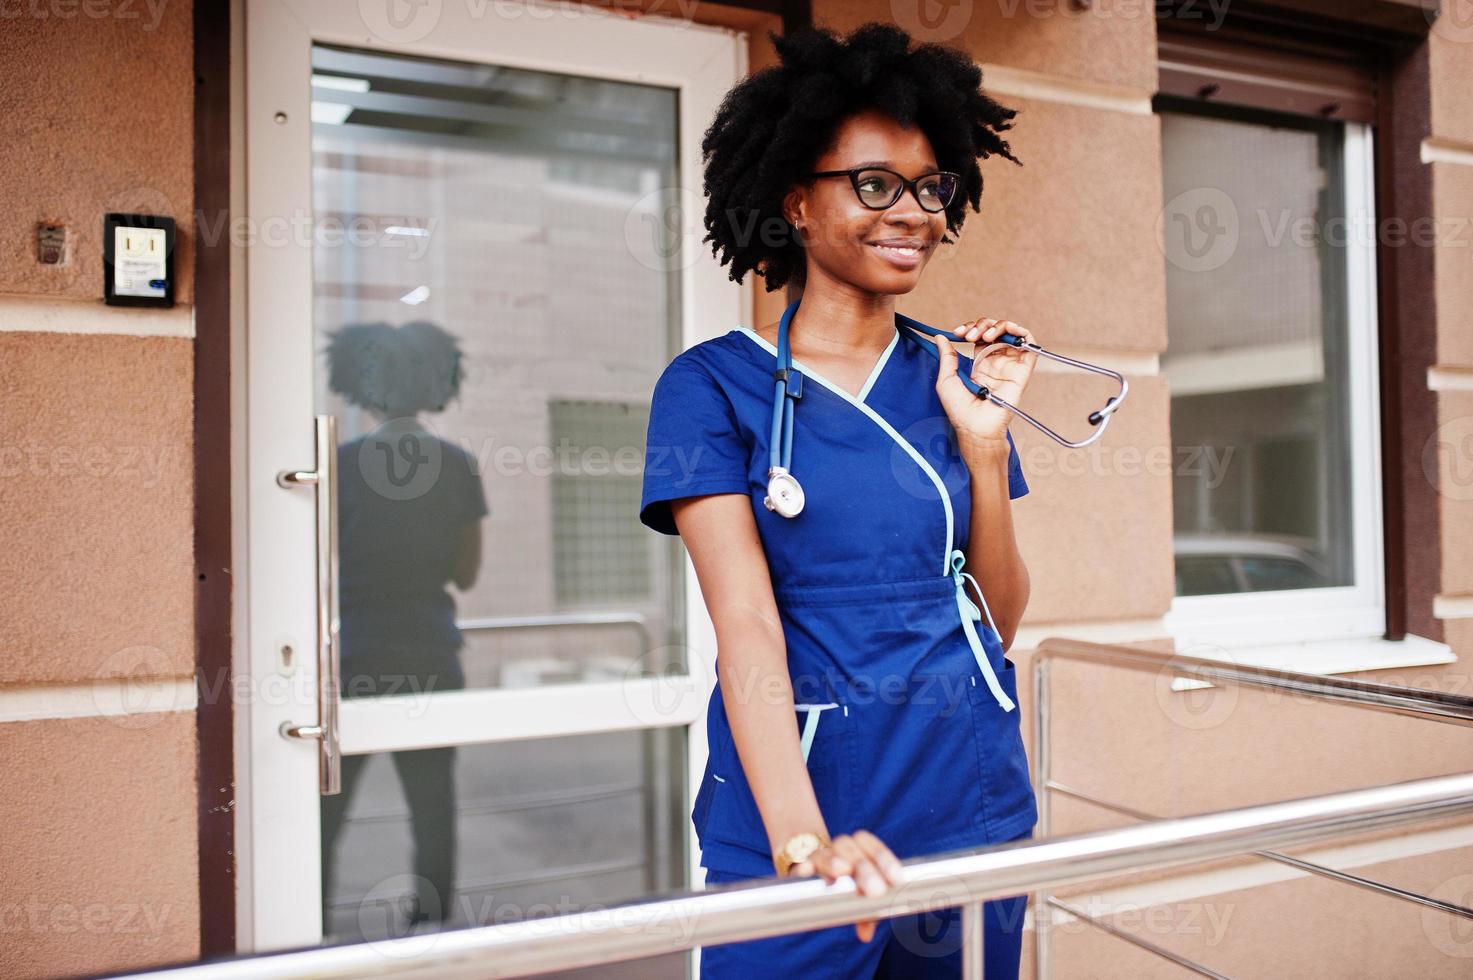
(1432, 705)
(1424, 705)
(1370, 884)
(750, 910)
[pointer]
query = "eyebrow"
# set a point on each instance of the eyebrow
(886, 164)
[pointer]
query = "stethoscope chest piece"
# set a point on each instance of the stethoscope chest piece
(784, 493)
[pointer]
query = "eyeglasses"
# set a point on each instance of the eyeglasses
(878, 188)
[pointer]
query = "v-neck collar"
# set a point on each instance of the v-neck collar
(869, 383)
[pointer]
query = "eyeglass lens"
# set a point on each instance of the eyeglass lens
(882, 188)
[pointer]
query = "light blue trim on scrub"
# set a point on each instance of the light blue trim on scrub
(879, 366)
(889, 430)
(811, 725)
(952, 559)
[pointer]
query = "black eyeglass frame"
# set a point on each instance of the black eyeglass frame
(905, 184)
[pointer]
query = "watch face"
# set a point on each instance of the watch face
(800, 847)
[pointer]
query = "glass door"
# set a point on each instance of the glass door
(500, 263)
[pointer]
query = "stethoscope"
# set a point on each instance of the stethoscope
(785, 494)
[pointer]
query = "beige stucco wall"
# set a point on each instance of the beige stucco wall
(98, 867)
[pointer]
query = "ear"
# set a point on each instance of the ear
(795, 206)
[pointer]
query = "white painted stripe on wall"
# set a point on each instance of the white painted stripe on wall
(1452, 606)
(103, 698)
(92, 316)
(1022, 82)
(1443, 378)
(1265, 872)
(1436, 150)
(1094, 631)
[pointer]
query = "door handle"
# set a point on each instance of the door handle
(324, 480)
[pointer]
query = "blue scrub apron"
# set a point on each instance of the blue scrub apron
(904, 733)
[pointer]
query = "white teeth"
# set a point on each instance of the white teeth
(902, 251)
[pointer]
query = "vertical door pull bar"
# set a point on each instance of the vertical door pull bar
(324, 480)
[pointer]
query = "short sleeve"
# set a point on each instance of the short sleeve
(694, 445)
(1017, 486)
(473, 491)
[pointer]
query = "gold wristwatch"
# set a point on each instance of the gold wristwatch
(796, 849)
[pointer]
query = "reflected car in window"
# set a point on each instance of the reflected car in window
(1217, 564)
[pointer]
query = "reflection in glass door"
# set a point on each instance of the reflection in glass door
(487, 332)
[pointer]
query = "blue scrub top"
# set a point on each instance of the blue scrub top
(899, 683)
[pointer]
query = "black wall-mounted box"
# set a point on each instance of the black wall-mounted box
(138, 260)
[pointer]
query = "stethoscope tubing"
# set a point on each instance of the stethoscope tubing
(785, 495)
(1100, 419)
(782, 427)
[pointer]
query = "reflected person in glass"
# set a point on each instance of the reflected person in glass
(410, 507)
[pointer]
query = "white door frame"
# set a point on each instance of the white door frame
(278, 852)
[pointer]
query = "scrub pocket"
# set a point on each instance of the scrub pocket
(1007, 786)
(726, 802)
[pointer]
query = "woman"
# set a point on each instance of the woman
(864, 710)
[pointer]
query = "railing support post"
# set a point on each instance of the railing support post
(974, 941)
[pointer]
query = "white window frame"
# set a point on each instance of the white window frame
(1202, 624)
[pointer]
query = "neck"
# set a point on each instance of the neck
(836, 317)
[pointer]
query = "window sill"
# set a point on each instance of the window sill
(1332, 656)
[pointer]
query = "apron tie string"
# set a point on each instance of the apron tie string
(970, 613)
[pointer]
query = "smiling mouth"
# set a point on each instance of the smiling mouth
(901, 256)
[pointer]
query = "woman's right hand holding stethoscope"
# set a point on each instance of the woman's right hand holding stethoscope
(1001, 368)
(862, 856)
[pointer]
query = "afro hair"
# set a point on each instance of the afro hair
(773, 125)
(395, 371)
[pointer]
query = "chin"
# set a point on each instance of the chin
(892, 284)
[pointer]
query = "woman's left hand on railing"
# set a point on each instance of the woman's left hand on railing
(865, 858)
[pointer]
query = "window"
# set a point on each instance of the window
(1271, 363)
(601, 551)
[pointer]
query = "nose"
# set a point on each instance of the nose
(908, 205)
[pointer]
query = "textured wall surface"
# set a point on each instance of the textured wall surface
(99, 116)
(98, 479)
(98, 781)
(101, 848)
